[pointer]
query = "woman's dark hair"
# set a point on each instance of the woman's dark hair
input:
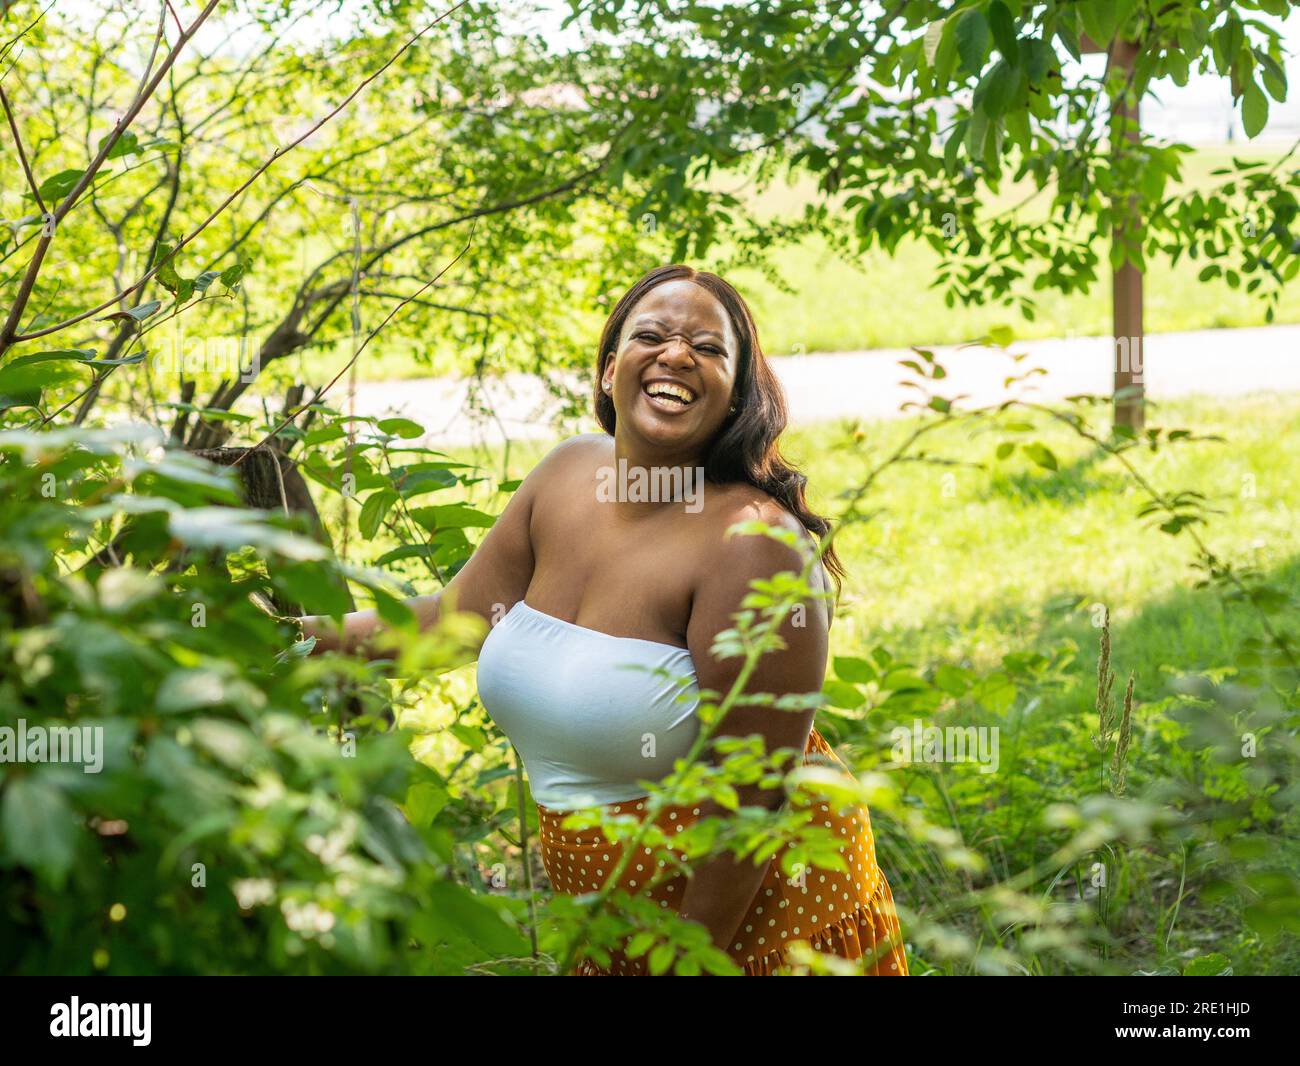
(745, 448)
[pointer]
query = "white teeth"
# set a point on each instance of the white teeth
(676, 392)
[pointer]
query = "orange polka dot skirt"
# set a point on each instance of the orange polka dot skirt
(850, 915)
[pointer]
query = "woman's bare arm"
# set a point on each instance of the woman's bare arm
(721, 890)
(496, 576)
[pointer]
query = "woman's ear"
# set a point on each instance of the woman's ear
(607, 378)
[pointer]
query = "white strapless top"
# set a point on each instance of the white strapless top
(591, 714)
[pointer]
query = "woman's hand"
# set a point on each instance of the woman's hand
(297, 649)
(495, 578)
(362, 632)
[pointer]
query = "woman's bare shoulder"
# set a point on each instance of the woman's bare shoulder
(758, 555)
(573, 456)
(730, 504)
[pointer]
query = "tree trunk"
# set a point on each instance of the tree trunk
(1126, 283)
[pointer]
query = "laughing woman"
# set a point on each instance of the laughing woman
(577, 583)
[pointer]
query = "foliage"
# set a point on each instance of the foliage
(236, 825)
(913, 114)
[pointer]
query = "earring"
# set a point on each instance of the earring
(733, 409)
(605, 385)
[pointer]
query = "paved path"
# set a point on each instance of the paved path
(865, 384)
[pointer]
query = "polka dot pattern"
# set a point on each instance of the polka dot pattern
(850, 915)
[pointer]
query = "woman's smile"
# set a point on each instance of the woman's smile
(668, 396)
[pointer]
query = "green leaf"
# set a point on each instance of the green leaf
(1018, 128)
(639, 944)
(230, 528)
(166, 275)
(972, 39)
(452, 516)
(1100, 20)
(400, 427)
(1274, 76)
(855, 670)
(472, 738)
(996, 692)
(1212, 965)
(127, 144)
(12, 400)
(40, 829)
(1254, 109)
(424, 801)
(843, 695)
(993, 93)
(406, 551)
(661, 958)
(134, 314)
(952, 679)
(1066, 35)
(55, 188)
(373, 511)
(953, 145)
(903, 679)
(975, 134)
(945, 58)
(458, 914)
(1004, 30)
(42, 370)
(232, 276)
(1042, 455)
(1070, 39)
(933, 35)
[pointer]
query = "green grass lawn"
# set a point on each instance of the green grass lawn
(965, 564)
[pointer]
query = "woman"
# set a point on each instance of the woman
(590, 569)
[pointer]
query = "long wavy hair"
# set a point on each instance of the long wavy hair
(745, 448)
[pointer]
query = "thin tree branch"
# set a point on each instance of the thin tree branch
(22, 154)
(357, 355)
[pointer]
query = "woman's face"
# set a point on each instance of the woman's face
(671, 378)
